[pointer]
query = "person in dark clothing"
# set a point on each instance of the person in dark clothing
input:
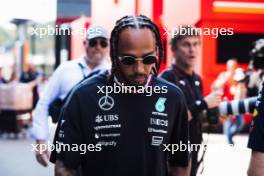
(7, 117)
(256, 136)
(256, 139)
(185, 49)
(32, 75)
(131, 129)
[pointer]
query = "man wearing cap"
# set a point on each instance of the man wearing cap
(65, 77)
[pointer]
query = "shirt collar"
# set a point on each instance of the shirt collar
(103, 66)
(182, 74)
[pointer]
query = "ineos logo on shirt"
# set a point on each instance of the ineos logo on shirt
(158, 122)
(106, 103)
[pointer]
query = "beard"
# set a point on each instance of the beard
(138, 79)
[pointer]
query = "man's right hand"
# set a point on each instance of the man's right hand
(213, 99)
(42, 154)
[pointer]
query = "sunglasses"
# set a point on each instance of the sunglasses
(130, 60)
(94, 42)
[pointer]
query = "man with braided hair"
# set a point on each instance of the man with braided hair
(131, 129)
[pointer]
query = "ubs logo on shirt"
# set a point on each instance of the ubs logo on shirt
(98, 119)
(106, 118)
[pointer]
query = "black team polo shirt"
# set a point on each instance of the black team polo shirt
(130, 128)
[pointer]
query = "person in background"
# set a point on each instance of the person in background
(8, 118)
(256, 136)
(34, 77)
(256, 139)
(185, 49)
(256, 76)
(65, 77)
(232, 83)
(235, 124)
(225, 80)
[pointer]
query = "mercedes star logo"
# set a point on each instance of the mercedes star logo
(106, 103)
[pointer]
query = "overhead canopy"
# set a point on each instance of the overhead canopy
(36, 10)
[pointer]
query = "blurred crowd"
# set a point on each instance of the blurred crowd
(10, 122)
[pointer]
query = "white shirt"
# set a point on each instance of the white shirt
(65, 77)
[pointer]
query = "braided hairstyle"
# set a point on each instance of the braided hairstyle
(135, 22)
